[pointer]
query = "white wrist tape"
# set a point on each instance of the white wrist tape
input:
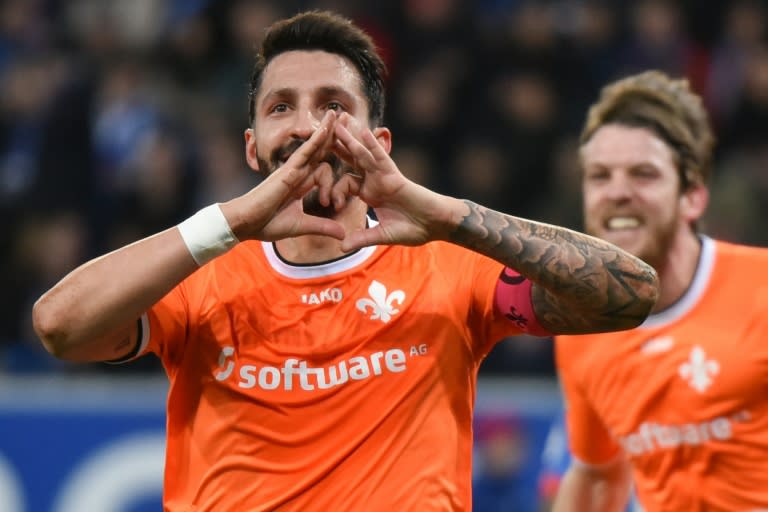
(207, 234)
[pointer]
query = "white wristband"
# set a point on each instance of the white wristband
(207, 234)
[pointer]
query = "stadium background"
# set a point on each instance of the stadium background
(120, 118)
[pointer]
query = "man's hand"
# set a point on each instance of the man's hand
(408, 213)
(273, 210)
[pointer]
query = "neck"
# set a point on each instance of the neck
(678, 269)
(310, 249)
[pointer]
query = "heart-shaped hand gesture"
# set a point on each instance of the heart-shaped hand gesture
(408, 213)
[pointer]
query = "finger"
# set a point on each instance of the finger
(313, 180)
(313, 147)
(327, 146)
(373, 145)
(363, 134)
(350, 124)
(343, 152)
(339, 201)
(361, 155)
(363, 238)
(312, 225)
(323, 177)
(346, 187)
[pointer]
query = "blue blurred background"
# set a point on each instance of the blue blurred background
(120, 118)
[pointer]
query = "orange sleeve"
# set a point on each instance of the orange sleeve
(486, 319)
(589, 440)
(168, 327)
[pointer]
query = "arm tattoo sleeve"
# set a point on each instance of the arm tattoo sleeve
(581, 283)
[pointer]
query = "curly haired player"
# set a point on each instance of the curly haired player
(681, 402)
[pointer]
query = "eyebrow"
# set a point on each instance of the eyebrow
(282, 92)
(331, 90)
(326, 91)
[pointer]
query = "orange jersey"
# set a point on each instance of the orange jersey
(685, 395)
(343, 386)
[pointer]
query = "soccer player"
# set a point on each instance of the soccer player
(680, 403)
(318, 359)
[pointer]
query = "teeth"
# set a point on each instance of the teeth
(623, 223)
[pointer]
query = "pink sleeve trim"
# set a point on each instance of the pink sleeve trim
(513, 300)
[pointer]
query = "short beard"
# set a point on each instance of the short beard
(311, 201)
(661, 243)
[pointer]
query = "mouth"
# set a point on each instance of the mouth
(620, 223)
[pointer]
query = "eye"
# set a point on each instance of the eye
(334, 105)
(597, 175)
(278, 108)
(644, 172)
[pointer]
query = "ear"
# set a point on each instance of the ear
(250, 149)
(384, 136)
(694, 202)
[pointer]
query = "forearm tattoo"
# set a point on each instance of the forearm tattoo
(581, 283)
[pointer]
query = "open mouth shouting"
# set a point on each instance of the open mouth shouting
(624, 222)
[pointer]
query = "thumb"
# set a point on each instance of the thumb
(312, 225)
(363, 238)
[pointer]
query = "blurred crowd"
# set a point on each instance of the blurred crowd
(120, 118)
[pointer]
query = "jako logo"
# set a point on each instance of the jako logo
(296, 373)
(654, 436)
(327, 295)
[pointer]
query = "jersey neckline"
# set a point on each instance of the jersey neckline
(694, 292)
(327, 268)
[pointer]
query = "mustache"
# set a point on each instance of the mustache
(283, 153)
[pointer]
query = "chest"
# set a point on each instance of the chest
(691, 371)
(290, 342)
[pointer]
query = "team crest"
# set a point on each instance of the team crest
(381, 303)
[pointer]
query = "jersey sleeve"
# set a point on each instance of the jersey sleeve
(485, 317)
(589, 440)
(166, 325)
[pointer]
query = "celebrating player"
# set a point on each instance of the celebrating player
(318, 359)
(679, 403)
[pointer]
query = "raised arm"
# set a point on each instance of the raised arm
(587, 489)
(581, 284)
(92, 313)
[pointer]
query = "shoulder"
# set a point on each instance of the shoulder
(748, 266)
(742, 263)
(228, 273)
(453, 253)
(740, 252)
(448, 256)
(574, 351)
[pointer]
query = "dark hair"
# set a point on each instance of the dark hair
(332, 33)
(666, 107)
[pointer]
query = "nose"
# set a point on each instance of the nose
(618, 187)
(305, 123)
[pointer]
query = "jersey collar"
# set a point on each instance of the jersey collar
(322, 269)
(694, 292)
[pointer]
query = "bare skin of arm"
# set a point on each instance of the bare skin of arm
(91, 314)
(581, 283)
(585, 489)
